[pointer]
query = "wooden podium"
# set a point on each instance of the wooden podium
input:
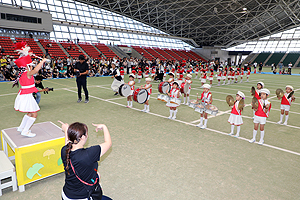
(35, 158)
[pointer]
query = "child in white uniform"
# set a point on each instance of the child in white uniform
(174, 92)
(206, 98)
(235, 118)
(147, 87)
(131, 83)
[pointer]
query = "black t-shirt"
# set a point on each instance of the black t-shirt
(40, 85)
(85, 163)
(82, 68)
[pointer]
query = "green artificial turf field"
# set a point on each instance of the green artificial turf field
(153, 157)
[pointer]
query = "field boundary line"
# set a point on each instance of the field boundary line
(187, 123)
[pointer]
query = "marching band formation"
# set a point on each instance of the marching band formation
(172, 89)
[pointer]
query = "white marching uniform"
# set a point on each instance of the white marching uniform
(173, 93)
(235, 117)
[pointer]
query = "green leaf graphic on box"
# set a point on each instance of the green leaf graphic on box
(34, 170)
(59, 161)
(48, 153)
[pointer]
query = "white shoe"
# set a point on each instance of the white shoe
(19, 129)
(230, 134)
(236, 136)
(146, 111)
(247, 81)
(285, 123)
(203, 127)
(279, 122)
(187, 103)
(173, 117)
(183, 103)
(223, 84)
(143, 110)
(252, 140)
(170, 117)
(199, 125)
(28, 134)
(260, 142)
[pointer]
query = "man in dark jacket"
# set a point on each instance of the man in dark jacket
(81, 71)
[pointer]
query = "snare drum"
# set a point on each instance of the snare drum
(211, 109)
(124, 90)
(159, 96)
(164, 87)
(199, 108)
(174, 100)
(140, 95)
(193, 103)
(186, 88)
(164, 98)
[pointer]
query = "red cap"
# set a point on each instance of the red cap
(23, 61)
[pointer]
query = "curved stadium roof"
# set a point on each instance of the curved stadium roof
(210, 22)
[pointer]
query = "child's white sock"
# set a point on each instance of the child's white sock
(148, 106)
(171, 112)
(281, 117)
(130, 103)
(201, 120)
(187, 99)
(145, 106)
(184, 100)
(286, 119)
(28, 125)
(205, 122)
(238, 128)
(232, 129)
(23, 123)
(254, 134)
(262, 134)
(175, 112)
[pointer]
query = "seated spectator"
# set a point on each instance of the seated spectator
(62, 73)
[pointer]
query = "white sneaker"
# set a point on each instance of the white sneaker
(230, 134)
(252, 140)
(260, 142)
(28, 134)
(173, 117)
(223, 84)
(279, 122)
(146, 111)
(170, 117)
(19, 129)
(247, 81)
(203, 127)
(199, 125)
(187, 103)
(285, 123)
(183, 103)
(236, 136)
(143, 110)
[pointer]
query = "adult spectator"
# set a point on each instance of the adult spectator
(280, 65)
(81, 70)
(260, 67)
(81, 164)
(3, 61)
(290, 65)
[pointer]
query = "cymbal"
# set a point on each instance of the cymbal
(230, 100)
(291, 94)
(241, 104)
(253, 90)
(254, 103)
(279, 93)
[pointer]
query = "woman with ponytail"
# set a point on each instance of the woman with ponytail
(81, 164)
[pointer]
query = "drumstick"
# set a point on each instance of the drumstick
(47, 60)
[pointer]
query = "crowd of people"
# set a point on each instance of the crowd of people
(64, 67)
